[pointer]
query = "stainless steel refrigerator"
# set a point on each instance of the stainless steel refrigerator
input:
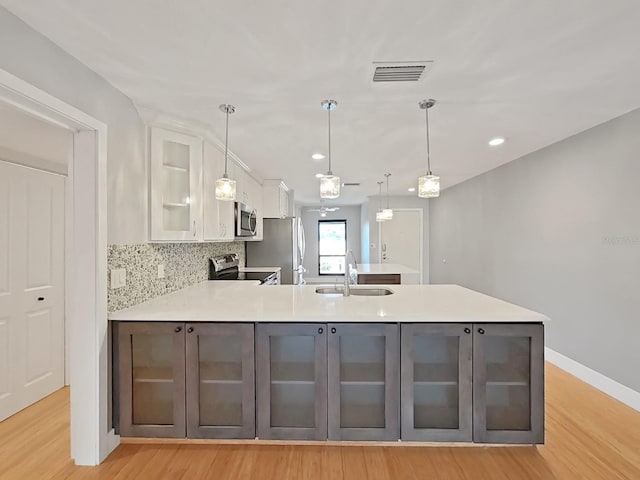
(282, 246)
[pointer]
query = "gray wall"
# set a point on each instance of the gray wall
(557, 231)
(30, 56)
(310, 222)
(406, 201)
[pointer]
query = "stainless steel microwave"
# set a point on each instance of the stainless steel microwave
(246, 220)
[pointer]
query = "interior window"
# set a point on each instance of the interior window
(332, 246)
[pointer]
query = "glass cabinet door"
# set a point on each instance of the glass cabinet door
(151, 379)
(363, 382)
(508, 390)
(220, 381)
(176, 164)
(292, 378)
(436, 382)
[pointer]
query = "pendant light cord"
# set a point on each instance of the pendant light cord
(426, 112)
(387, 175)
(226, 142)
(380, 196)
(329, 115)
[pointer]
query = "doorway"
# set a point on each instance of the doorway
(401, 239)
(85, 265)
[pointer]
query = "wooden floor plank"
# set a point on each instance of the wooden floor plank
(588, 436)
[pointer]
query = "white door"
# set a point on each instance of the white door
(31, 286)
(401, 239)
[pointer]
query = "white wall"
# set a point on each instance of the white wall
(557, 231)
(33, 142)
(310, 223)
(32, 57)
(399, 202)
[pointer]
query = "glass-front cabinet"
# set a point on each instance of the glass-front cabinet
(363, 387)
(151, 379)
(220, 381)
(436, 382)
(176, 185)
(508, 389)
(291, 369)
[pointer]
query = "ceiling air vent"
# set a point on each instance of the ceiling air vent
(351, 184)
(400, 71)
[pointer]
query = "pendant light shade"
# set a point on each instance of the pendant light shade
(226, 187)
(329, 183)
(428, 184)
(379, 214)
(387, 213)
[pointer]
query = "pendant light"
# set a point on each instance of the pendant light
(387, 213)
(226, 187)
(329, 183)
(379, 214)
(428, 184)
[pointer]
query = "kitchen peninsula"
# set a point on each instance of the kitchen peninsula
(236, 360)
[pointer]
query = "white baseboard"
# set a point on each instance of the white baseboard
(603, 383)
(113, 440)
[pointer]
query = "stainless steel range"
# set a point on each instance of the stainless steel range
(226, 267)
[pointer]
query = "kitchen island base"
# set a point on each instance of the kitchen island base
(343, 382)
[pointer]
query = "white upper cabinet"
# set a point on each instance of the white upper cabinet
(176, 186)
(218, 215)
(275, 199)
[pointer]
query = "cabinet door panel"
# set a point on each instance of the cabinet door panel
(217, 214)
(176, 185)
(363, 363)
(220, 381)
(291, 365)
(436, 382)
(508, 390)
(151, 379)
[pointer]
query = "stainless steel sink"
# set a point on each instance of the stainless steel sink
(366, 292)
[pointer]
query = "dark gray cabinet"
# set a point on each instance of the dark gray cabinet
(151, 379)
(363, 381)
(291, 368)
(508, 383)
(437, 382)
(176, 380)
(220, 380)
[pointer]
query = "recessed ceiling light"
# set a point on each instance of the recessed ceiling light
(494, 142)
(317, 156)
(319, 175)
(412, 189)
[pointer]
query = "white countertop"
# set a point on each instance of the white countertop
(235, 301)
(384, 268)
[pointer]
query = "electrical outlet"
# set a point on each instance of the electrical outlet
(161, 270)
(118, 278)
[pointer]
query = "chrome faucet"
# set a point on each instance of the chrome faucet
(347, 273)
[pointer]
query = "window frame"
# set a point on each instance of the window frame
(346, 249)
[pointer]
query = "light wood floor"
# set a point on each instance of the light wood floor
(589, 436)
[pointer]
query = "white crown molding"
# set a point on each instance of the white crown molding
(603, 383)
(157, 118)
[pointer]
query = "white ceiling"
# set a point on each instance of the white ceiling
(532, 71)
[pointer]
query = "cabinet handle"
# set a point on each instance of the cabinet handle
(481, 331)
(190, 330)
(178, 329)
(40, 299)
(320, 330)
(333, 329)
(467, 330)
(195, 228)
